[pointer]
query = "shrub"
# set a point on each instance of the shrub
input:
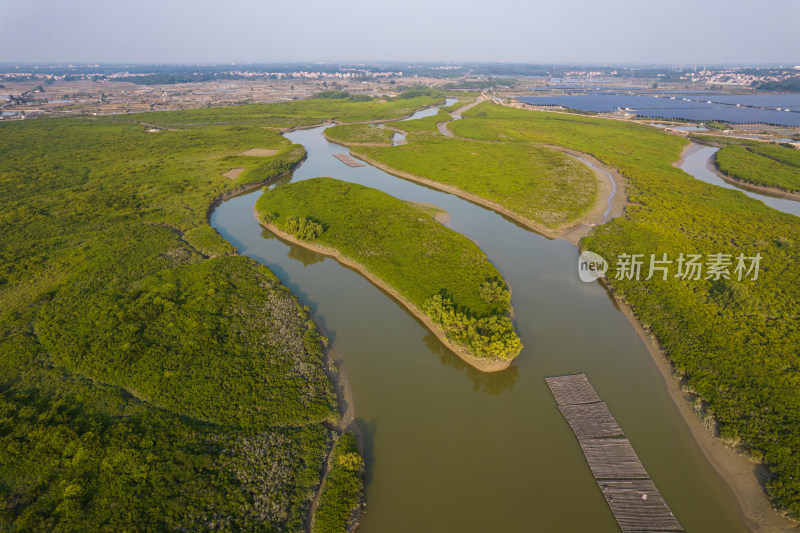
(303, 228)
(492, 336)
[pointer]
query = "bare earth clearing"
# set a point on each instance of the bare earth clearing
(233, 173)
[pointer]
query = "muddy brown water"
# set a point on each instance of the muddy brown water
(450, 449)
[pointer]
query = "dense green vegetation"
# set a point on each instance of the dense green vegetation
(332, 93)
(436, 269)
(151, 379)
(190, 339)
(766, 164)
(341, 492)
(303, 228)
(418, 91)
(789, 85)
(537, 183)
(359, 134)
(735, 342)
(786, 155)
(335, 93)
(207, 241)
(288, 114)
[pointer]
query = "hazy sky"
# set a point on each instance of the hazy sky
(533, 31)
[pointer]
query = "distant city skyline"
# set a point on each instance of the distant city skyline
(618, 32)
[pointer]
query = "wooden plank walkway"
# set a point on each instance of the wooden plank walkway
(638, 506)
(613, 459)
(572, 390)
(591, 420)
(630, 493)
(347, 160)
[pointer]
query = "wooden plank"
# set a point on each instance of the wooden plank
(638, 506)
(633, 498)
(591, 420)
(613, 459)
(572, 390)
(347, 160)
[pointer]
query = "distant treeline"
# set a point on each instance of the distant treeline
(490, 83)
(411, 92)
(787, 85)
(337, 95)
(167, 78)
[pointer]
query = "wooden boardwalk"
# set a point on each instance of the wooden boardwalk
(347, 160)
(630, 493)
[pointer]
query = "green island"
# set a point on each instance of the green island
(153, 378)
(733, 343)
(359, 134)
(442, 276)
(762, 164)
(537, 185)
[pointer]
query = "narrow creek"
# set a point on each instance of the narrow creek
(449, 448)
(699, 162)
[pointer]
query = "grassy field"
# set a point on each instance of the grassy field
(735, 342)
(537, 183)
(765, 164)
(359, 134)
(152, 380)
(341, 492)
(436, 269)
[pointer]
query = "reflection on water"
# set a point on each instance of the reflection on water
(305, 256)
(487, 382)
(368, 430)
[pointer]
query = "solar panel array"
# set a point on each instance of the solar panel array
(720, 108)
(764, 101)
(609, 89)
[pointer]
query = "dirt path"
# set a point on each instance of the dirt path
(463, 109)
(611, 195)
(442, 126)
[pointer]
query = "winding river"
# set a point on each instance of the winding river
(449, 448)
